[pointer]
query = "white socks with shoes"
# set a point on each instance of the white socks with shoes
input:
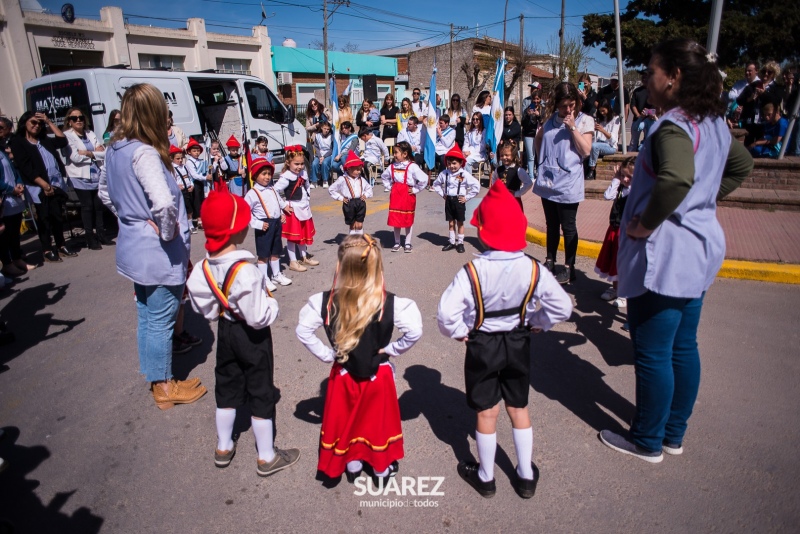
(262, 428)
(487, 446)
(523, 444)
(225, 418)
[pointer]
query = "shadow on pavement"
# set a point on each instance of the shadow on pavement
(197, 325)
(560, 375)
(435, 239)
(22, 509)
(29, 326)
(385, 237)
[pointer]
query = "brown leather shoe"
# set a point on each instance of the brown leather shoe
(297, 266)
(175, 394)
(309, 261)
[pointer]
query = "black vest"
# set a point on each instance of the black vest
(615, 217)
(295, 191)
(363, 361)
(509, 177)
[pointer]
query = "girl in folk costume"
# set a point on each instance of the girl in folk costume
(456, 186)
(509, 172)
(267, 218)
(404, 179)
(353, 191)
(361, 418)
(185, 183)
(299, 227)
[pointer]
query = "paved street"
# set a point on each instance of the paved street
(90, 452)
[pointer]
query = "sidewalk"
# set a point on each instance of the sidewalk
(760, 245)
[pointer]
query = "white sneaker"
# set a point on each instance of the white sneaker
(621, 302)
(387, 190)
(271, 286)
(609, 294)
(281, 279)
(312, 186)
(325, 185)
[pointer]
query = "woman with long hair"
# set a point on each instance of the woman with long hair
(315, 114)
(406, 112)
(36, 157)
(561, 145)
(361, 421)
(532, 118)
(458, 117)
(86, 155)
(475, 141)
(512, 131)
(114, 118)
(345, 111)
(389, 113)
(153, 249)
(671, 244)
(483, 104)
(606, 135)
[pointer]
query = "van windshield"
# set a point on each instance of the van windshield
(263, 104)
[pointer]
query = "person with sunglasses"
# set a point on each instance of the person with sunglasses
(458, 118)
(46, 178)
(83, 161)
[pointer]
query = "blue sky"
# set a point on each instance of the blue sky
(414, 21)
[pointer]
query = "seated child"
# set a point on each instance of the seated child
(491, 305)
(361, 418)
(228, 288)
(353, 191)
(775, 126)
(456, 186)
(375, 152)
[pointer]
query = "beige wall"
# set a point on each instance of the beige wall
(22, 34)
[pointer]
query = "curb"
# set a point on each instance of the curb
(781, 273)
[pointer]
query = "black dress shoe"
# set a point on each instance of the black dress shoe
(351, 477)
(52, 257)
(105, 240)
(449, 246)
(526, 488)
(469, 472)
(67, 252)
(592, 174)
(562, 276)
(550, 265)
(460, 248)
(94, 244)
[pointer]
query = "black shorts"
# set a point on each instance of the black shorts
(245, 369)
(268, 242)
(188, 200)
(354, 211)
(454, 210)
(497, 367)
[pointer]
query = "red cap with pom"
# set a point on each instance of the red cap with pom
(174, 150)
(258, 165)
(232, 143)
(500, 221)
(456, 153)
(193, 143)
(223, 215)
(353, 160)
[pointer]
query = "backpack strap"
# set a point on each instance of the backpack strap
(477, 294)
(222, 293)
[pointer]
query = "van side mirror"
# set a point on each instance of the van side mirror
(290, 115)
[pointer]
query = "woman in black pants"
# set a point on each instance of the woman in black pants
(44, 173)
(562, 143)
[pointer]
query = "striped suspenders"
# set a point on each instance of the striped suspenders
(222, 293)
(477, 295)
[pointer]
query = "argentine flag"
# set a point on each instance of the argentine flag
(430, 128)
(494, 127)
(334, 115)
(348, 89)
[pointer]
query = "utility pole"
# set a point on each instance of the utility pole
(522, 61)
(561, 42)
(325, 21)
(451, 60)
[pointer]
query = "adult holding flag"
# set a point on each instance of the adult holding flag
(430, 129)
(494, 121)
(334, 117)
(561, 145)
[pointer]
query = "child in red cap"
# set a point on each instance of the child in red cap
(353, 191)
(199, 173)
(235, 170)
(228, 288)
(456, 186)
(491, 305)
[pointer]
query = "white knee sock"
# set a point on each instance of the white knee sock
(487, 445)
(275, 265)
(263, 268)
(523, 443)
(290, 250)
(355, 466)
(353, 232)
(452, 237)
(360, 232)
(301, 251)
(225, 419)
(409, 232)
(397, 236)
(460, 238)
(262, 428)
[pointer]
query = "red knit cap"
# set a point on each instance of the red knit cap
(259, 165)
(456, 153)
(352, 160)
(174, 150)
(500, 221)
(223, 215)
(232, 143)
(193, 143)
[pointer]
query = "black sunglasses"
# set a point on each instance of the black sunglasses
(77, 118)
(415, 93)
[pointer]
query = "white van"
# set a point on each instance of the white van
(203, 104)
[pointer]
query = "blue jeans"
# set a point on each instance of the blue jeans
(337, 165)
(600, 149)
(157, 309)
(530, 155)
(667, 365)
(322, 171)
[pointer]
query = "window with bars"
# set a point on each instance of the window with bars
(233, 66)
(153, 61)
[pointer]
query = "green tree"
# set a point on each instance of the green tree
(751, 29)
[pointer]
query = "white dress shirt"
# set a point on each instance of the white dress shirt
(527, 183)
(407, 319)
(505, 278)
(285, 184)
(412, 138)
(447, 184)
(270, 198)
(375, 151)
(475, 144)
(323, 145)
(339, 190)
(611, 192)
(445, 141)
(417, 178)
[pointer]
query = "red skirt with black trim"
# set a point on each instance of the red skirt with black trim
(298, 231)
(606, 265)
(361, 421)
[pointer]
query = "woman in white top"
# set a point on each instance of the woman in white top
(86, 155)
(475, 141)
(483, 104)
(606, 135)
